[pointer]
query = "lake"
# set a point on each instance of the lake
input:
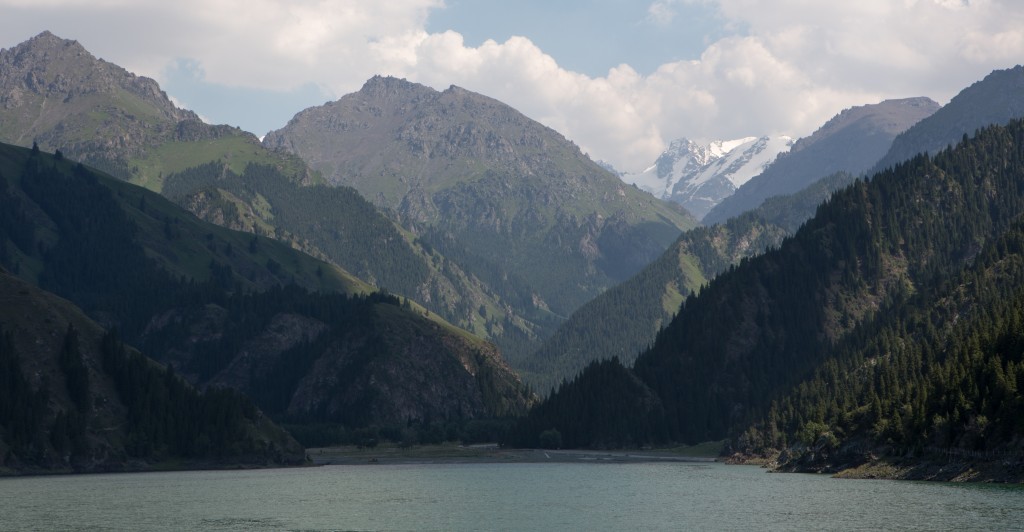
(521, 496)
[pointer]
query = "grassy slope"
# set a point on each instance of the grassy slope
(198, 242)
(235, 151)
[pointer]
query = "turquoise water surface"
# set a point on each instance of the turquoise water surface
(562, 496)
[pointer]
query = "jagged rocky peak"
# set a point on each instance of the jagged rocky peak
(683, 148)
(47, 43)
(385, 87)
(699, 175)
(457, 90)
(53, 67)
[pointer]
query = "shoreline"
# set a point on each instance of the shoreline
(926, 469)
(486, 454)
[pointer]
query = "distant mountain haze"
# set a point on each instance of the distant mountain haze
(996, 99)
(850, 142)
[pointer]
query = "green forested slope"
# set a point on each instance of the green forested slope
(338, 225)
(943, 373)
(764, 326)
(211, 301)
(624, 321)
(74, 398)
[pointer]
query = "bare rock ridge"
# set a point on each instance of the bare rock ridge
(48, 65)
(393, 129)
(57, 94)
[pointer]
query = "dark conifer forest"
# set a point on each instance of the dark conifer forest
(199, 299)
(889, 320)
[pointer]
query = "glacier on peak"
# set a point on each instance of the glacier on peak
(700, 175)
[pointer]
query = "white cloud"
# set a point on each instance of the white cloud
(661, 12)
(788, 67)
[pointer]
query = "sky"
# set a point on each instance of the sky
(621, 78)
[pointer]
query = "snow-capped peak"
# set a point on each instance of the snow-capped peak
(699, 175)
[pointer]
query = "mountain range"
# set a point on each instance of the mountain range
(871, 334)
(485, 184)
(851, 142)
(232, 310)
(876, 255)
(360, 258)
(481, 269)
(700, 176)
(996, 99)
(644, 304)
